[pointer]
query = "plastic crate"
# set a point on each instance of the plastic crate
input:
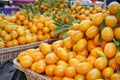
(10, 10)
(19, 2)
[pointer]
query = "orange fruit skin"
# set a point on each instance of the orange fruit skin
(113, 7)
(62, 54)
(115, 76)
(72, 54)
(100, 63)
(111, 21)
(33, 67)
(9, 44)
(97, 18)
(7, 37)
(117, 58)
(26, 61)
(92, 31)
(79, 77)
(75, 27)
(45, 48)
(68, 43)
(83, 68)
(45, 30)
(57, 44)
(2, 45)
(102, 45)
(21, 40)
(33, 29)
(83, 52)
(37, 56)
(84, 25)
(80, 45)
(90, 45)
(47, 23)
(49, 70)
(76, 36)
(14, 35)
(70, 72)
(21, 55)
(96, 38)
(40, 26)
(116, 31)
(107, 72)
(52, 27)
(67, 78)
(62, 63)
(113, 64)
(91, 59)
(81, 58)
(93, 52)
(59, 71)
(93, 74)
(57, 78)
(107, 34)
(73, 62)
(40, 66)
(28, 39)
(51, 58)
(110, 50)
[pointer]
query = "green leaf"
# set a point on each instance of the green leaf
(67, 25)
(31, 8)
(69, 3)
(56, 23)
(100, 53)
(118, 13)
(63, 19)
(71, 19)
(63, 13)
(23, 6)
(58, 30)
(38, 12)
(116, 42)
(100, 39)
(118, 47)
(102, 25)
(64, 34)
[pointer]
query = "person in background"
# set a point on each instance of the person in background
(109, 1)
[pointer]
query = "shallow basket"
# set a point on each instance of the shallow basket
(30, 75)
(12, 52)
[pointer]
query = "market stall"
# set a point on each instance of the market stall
(60, 40)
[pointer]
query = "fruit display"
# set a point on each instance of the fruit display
(89, 44)
(90, 50)
(17, 30)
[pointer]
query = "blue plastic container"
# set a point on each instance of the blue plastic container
(10, 10)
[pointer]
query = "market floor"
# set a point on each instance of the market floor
(8, 72)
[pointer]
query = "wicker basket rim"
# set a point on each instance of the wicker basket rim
(27, 71)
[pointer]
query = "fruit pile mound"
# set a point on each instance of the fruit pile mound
(17, 30)
(91, 51)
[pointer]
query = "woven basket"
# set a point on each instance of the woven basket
(12, 52)
(30, 75)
